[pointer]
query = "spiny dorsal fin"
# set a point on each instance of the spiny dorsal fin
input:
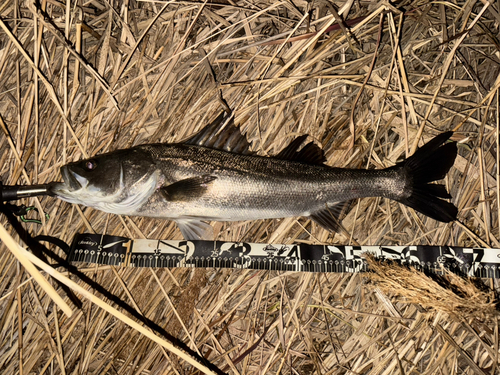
(310, 153)
(221, 134)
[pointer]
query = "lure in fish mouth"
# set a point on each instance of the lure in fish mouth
(214, 176)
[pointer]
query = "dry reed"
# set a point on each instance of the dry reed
(84, 77)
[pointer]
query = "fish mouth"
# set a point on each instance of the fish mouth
(72, 180)
(69, 184)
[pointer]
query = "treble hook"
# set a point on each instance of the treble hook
(15, 192)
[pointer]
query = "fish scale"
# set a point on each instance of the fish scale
(282, 188)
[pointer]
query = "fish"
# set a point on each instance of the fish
(214, 176)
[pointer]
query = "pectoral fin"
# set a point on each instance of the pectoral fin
(187, 189)
(196, 230)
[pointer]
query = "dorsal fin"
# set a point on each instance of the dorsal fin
(310, 153)
(289, 152)
(221, 134)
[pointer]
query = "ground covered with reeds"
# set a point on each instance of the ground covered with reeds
(79, 78)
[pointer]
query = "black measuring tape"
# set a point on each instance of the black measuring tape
(122, 251)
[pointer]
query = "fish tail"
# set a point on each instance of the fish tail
(429, 163)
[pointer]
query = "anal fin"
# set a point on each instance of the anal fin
(329, 217)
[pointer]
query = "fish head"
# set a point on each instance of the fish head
(117, 182)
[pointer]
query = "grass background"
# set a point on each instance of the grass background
(84, 77)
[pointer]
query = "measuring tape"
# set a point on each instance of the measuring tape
(122, 251)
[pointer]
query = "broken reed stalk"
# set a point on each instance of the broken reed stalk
(24, 254)
(21, 256)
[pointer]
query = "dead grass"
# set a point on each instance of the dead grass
(82, 78)
(448, 293)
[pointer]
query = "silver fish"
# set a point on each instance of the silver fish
(214, 176)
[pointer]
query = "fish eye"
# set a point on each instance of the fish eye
(91, 165)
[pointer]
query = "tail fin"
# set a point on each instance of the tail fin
(429, 163)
